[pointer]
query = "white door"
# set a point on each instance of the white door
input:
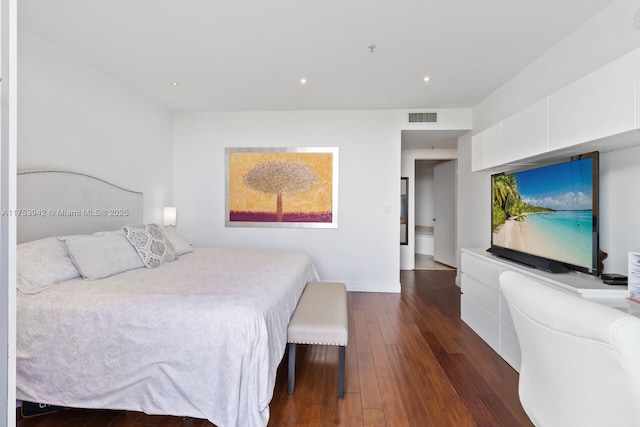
(444, 200)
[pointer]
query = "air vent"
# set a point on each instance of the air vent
(423, 117)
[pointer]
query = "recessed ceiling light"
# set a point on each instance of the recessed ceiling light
(174, 83)
(426, 78)
(303, 81)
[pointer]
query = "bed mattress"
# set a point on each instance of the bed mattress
(201, 336)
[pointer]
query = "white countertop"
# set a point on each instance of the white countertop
(585, 284)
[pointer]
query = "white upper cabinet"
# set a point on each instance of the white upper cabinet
(492, 146)
(583, 115)
(525, 133)
(476, 152)
(598, 105)
(486, 148)
(520, 136)
(637, 53)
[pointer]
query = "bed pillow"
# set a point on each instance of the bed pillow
(180, 245)
(151, 243)
(42, 263)
(102, 255)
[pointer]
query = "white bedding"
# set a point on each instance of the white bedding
(201, 336)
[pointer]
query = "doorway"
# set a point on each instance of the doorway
(435, 213)
(432, 145)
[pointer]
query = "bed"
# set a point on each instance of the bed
(198, 335)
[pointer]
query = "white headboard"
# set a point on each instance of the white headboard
(59, 203)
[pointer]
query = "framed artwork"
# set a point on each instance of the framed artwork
(282, 187)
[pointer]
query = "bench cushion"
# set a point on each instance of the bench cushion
(321, 315)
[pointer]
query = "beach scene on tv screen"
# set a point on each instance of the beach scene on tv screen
(546, 212)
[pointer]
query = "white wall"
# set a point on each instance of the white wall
(619, 207)
(363, 251)
(606, 36)
(71, 116)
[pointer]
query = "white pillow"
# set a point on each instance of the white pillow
(102, 255)
(151, 243)
(180, 245)
(41, 263)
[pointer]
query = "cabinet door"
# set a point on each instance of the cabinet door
(525, 134)
(598, 105)
(491, 147)
(637, 53)
(486, 150)
(476, 152)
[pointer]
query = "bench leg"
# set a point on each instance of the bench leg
(341, 362)
(292, 368)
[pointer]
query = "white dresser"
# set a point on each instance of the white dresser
(485, 310)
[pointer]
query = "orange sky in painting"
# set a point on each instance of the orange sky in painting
(316, 199)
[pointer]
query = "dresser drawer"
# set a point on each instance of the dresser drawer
(483, 295)
(505, 314)
(509, 347)
(483, 271)
(481, 321)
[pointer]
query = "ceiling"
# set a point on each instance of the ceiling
(244, 55)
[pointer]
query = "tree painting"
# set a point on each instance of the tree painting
(280, 177)
(281, 187)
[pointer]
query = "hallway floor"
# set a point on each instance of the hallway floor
(426, 262)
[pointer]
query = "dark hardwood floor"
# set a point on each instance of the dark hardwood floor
(411, 361)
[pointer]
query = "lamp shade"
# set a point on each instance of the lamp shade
(169, 215)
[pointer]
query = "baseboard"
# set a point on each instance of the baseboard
(385, 287)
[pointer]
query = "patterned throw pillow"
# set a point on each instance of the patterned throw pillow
(151, 243)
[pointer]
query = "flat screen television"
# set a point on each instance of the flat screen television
(546, 217)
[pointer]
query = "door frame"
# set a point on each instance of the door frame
(8, 161)
(408, 169)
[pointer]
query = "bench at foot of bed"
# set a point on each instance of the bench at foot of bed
(321, 319)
